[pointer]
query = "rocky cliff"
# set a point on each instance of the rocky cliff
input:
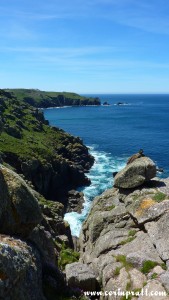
(38, 163)
(52, 160)
(124, 241)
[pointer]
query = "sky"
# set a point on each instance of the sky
(89, 46)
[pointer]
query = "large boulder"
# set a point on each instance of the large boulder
(136, 173)
(20, 271)
(81, 276)
(19, 209)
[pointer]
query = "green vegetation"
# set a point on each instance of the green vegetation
(39, 151)
(107, 208)
(163, 266)
(154, 276)
(45, 99)
(135, 197)
(132, 232)
(117, 271)
(148, 266)
(67, 256)
(122, 259)
(128, 240)
(159, 196)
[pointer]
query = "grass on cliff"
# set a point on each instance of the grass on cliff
(35, 139)
(123, 260)
(159, 196)
(67, 256)
(148, 266)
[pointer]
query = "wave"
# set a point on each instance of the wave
(101, 179)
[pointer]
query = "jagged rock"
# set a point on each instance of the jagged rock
(20, 271)
(44, 243)
(117, 283)
(100, 263)
(19, 209)
(136, 173)
(109, 241)
(158, 232)
(75, 201)
(146, 209)
(123, 234)
(139, 250)
(81, 276)
(110, 271)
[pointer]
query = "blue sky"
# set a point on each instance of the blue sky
(89, 46)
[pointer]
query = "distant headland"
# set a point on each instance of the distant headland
(45, 99)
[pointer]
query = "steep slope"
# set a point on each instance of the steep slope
(52, 160)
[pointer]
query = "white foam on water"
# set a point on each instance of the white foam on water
(101, 179)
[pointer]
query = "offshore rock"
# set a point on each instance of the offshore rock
(19, 209)
(136, 173)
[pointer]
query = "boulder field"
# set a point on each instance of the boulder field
(124, 240)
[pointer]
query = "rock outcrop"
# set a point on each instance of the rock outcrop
(32, 234)
(81, 276)
(136, 173)
(19, 209)
(125, 237)
(20, 270)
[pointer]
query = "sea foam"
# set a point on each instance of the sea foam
(101, 179)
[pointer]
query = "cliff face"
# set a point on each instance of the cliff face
(35, 243)
(52, 160)
(36, 161)
(125, 237)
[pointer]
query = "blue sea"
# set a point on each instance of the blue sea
(113, 133)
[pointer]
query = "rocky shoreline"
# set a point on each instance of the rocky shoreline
(41, 166)
(124, 241)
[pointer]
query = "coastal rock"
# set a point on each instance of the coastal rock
(124, 238)
(137, 279)
(75, 201)
(19, 209)
(158, 232)
(51, 159)
(20, 271)
(43, 241)
(136, 173)
(139, 250)
(81, 276)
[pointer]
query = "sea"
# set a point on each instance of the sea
(113, 133)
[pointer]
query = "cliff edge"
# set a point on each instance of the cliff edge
(124, 240)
